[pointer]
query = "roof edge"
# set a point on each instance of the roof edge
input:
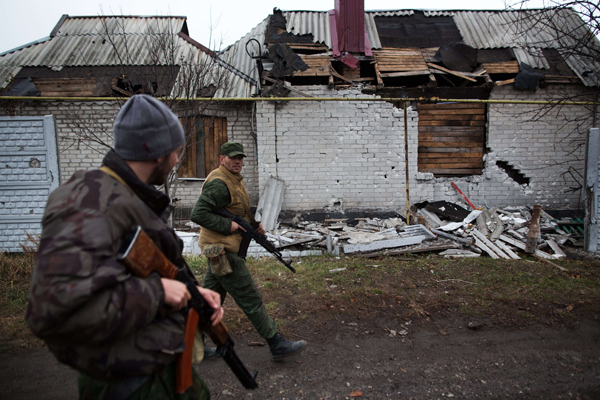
(61, 21)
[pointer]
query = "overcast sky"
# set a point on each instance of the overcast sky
(25, 21)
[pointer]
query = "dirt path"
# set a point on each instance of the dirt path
(369, 359)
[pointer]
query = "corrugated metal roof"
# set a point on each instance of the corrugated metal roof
(112, 41)
(237, 55)
(525, 35)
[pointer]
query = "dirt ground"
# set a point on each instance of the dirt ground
(377, 355)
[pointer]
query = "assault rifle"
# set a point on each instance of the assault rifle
(249, 234)
(141, 255)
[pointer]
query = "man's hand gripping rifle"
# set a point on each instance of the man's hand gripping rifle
(141, 255)
(249, 234)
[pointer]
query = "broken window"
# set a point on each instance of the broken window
(204, 135)
(451, 138)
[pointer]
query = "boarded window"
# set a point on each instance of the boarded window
(451, 138)
(204, 140)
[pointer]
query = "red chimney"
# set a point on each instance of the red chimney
(347, 25)
(350, 20)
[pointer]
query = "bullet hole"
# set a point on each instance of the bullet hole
(513, 173)
(34, 163)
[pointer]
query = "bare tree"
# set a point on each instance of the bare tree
(564, 34)
(155, 58)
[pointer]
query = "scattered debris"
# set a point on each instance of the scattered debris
(444, 228)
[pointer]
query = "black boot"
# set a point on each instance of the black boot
(281, 347)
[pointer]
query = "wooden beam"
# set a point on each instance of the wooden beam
(378, 75)
(451, 72)
(334, 73)
(506, 82)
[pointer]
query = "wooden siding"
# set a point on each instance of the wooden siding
(318, 65)
(506, 67)
(399, 60)
(65, 87)
(451, 138)
(205, 136)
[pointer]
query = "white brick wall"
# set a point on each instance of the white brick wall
(352, 153)
(94, 120)
(334, 151)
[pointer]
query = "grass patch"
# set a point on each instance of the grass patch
(15, 278)
(514, 291)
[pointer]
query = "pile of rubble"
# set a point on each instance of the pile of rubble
(440, 227)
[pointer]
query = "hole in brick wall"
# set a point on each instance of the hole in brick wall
(34, 163)
(513, 173)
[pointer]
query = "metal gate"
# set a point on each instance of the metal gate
(28, 173)
(592, 186)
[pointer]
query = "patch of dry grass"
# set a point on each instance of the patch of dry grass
(514, 292)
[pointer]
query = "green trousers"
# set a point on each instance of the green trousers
(159, 386)
(240, 286)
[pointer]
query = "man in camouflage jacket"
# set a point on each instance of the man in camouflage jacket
(121, 332)
(220, 240)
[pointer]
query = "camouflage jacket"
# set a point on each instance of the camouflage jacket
(92, 313)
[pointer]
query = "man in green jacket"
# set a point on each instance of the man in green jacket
(122, 333)
(220, 240)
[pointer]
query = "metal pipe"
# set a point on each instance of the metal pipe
(352, 99)
(405, 105)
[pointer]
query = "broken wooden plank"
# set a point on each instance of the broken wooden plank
(334, 73)
(534, 230)
(483, 247)
(404, 73)
(506, 82)
(507, 250)
(451, 72)
(490, 244)
(378, 75)
(521, 246)
(550, 262)
(558, 252)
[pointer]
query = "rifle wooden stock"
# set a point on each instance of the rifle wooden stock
(141, 255)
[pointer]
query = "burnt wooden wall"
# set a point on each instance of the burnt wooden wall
(451, 138)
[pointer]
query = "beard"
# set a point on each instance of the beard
(160, 173)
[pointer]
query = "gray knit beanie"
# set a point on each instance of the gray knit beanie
(146, 129)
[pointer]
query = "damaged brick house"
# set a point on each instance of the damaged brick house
(365, 147)
(61, 95)
(377, 140)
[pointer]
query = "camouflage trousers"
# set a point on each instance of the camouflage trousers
(240, 286)
(159, 386)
